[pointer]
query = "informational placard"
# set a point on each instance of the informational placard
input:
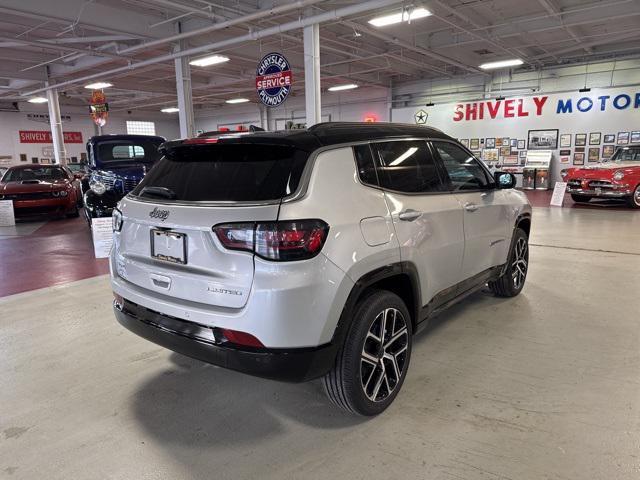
(7, 217)
(558, 194)
(273, 79)
(102, 233)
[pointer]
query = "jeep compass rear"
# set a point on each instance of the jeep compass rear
(281, 254)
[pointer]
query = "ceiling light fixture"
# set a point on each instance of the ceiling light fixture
(37, 100)
(237, 100)
(170, 110)
(403, 16)
(339, 88)
(210, 60)
(502, 64)
(98, 85)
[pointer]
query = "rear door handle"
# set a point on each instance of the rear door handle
(409, 215)
(470, 207)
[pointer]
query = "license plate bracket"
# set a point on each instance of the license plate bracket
(169, 246)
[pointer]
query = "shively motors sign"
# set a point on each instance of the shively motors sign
(44, 136)
(541, 105)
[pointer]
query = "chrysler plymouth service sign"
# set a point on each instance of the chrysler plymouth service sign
(273, 79)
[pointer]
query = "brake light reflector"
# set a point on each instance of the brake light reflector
(279, 241)
(241, 338)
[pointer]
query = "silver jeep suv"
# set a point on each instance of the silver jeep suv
(314, 253)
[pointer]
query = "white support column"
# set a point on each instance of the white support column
(55, 121)
(312, 74)
(183, 90)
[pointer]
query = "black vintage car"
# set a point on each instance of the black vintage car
(117, 164)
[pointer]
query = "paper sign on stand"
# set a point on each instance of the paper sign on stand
(558, 194)
(7, 217)
(102, 236)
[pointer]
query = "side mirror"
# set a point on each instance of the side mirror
(505, 180)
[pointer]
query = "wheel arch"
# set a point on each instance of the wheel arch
(400, 278)
(524, 222)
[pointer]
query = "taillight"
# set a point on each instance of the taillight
(279, 241)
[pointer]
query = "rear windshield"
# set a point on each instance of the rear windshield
(236, 173)
(128, 150)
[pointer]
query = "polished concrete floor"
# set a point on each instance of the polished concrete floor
(543, 386)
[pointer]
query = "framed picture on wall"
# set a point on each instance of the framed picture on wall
(580, 149)
(594, 154)
(490, 154)
(578, 158)
(505, 141)
(594, 138)
(476, 153)
(623, 138)
(505, 151)
(565, 140)
(23, 157)
(522, 144)
(607, 151)
(635, 136)
(474, 143)
(490, 143)
(609, 138)
(543, 140)
(510, 160)
(581, 139)
(522, 154)
(514, 143)
(565, 152)
(465, 142)
(498, 142)
(564, 158)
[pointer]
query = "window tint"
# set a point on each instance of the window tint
(464, 171)
(407, 166)
(240, 172)
(366, 167)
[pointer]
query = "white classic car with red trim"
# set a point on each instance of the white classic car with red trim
(618, 177)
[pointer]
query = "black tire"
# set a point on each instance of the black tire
(511, 282)
(74, 214)
(580, 198)
(344, 383)
(634, 200)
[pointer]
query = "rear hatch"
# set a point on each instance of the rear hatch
(167, 243)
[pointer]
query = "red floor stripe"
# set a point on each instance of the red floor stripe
(60, 251)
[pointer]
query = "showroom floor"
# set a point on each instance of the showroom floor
(545, 385)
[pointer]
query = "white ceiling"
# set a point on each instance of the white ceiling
(67, 39)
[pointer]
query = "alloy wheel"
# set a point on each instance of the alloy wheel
(636, 196)
(384, 354)
(520, 263)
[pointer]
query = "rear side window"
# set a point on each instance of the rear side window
(366, 166)
(227, 173)
(407, 166)
(464, 170)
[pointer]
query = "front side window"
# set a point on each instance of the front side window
(407, 166)
(463, 169)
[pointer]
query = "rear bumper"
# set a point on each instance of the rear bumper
(187, 338)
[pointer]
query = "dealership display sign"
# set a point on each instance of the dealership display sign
(7, 217)
(44, 136)
(99, 108)
(102, 233)
(273, 79)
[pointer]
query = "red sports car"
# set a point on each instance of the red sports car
(618, 177)
(40, 189)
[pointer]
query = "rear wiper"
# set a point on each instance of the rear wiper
(162, 192)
